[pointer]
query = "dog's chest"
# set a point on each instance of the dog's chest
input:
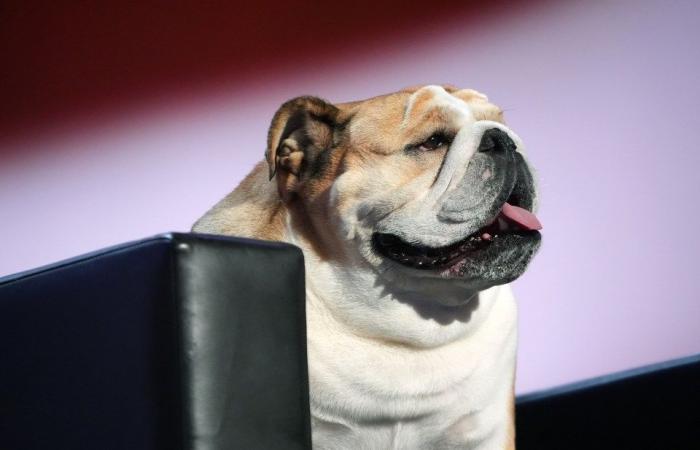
(476, 432)
(367, 395)
(471, 413)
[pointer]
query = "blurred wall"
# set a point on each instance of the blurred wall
(605, 95)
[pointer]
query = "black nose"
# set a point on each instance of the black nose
(496, 141)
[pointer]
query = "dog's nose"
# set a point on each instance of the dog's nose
(497, 142)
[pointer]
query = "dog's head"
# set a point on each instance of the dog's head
(425, 187)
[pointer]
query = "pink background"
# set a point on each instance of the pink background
(605, 95)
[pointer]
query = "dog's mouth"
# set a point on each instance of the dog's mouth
(511, 221)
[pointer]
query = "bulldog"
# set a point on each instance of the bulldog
(414, 212)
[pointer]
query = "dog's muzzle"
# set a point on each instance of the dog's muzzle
(496, 174)
(489, 206)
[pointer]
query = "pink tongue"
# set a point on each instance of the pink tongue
(521, 216)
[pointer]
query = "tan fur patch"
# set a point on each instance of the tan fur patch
(253, 210)
(373, 142)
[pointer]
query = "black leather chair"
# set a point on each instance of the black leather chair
(655, 407)
(193, 342)
(179, 341)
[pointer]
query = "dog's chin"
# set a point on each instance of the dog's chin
(480, 263)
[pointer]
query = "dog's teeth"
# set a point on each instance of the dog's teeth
(420, 263)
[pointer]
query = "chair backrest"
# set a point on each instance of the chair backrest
(180, 341)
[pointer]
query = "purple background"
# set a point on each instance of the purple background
(605, 95)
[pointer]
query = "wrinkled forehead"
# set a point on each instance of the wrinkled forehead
(436, 103)
(401, 113)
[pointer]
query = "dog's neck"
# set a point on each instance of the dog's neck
(352, 294)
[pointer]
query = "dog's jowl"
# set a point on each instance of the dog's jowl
(414, 212)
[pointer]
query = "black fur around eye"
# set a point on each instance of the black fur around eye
(434, 142)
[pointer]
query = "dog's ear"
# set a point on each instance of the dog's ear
(301, 130)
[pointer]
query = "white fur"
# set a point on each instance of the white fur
(383, 377)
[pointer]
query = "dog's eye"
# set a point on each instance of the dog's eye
(434, 142)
